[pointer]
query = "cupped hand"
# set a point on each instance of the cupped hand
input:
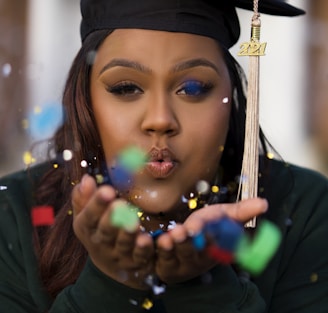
(178, 259)
(125, 256)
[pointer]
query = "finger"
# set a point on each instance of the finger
(165, 251)
(91, 214)
(82, 193)
(241, 211)
(125, 242)
(143, 251)
(183, 247)
(105, 232)
(244, 210)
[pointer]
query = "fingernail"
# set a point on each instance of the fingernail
(265, 208)
(83, 182)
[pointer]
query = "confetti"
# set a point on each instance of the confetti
(222, 256)
(42, 216)
(192, 203)
(270, 155)
(125, 216)
(3, 188)
(147, 304)
(215, 189)
(67, 155)
(128, 162)
(228, 243)
(28, 158)
(132, 159)
(225, 232)
(44, 120)
(6, 70)
(254, 256)
(203, 187)
(84, 163)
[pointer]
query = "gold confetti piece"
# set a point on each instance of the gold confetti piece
(215, 189)
(25, 123)
(147, 304)
(314, 277)
(270, 155)
(55, 165)
(192, 203)
(28, 158)
(37, 110)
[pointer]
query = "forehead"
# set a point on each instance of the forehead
(158, 46)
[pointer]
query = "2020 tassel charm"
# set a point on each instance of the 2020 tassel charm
(250, 166)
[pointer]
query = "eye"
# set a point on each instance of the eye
(125, 89)
(194, 88)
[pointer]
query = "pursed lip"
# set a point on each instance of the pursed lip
(161, 162)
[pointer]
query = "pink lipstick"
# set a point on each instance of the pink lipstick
(161, 163)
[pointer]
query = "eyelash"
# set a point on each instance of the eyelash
(195, 88)
(125, 89)
(191, 88)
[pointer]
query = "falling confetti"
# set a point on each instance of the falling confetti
(44, 121)
(28, 159)
(229, 243)
(42, 216)
(132, 159)
(3, 188)
(202, 187)
(67, 155)
(84, 163)
(125, 216)
(147, 304)
(6, 70)
(128, 162)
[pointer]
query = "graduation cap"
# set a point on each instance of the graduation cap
(216, 19)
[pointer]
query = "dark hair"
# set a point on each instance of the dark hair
(61, 255)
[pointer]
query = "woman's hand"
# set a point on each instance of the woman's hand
(125, 256)
(178, 260)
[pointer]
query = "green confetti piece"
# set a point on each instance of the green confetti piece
(132, 159)
(255, 255)
(125, 216)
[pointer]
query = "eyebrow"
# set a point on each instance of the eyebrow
(125, 63)
(194, 63)
(176, 68)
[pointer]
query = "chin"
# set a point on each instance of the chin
(154, 202)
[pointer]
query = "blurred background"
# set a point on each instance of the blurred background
(39, 39)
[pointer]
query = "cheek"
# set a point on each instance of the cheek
(210, 129)
(112, 131)
(207, 137)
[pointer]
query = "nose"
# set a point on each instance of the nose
(160, 117)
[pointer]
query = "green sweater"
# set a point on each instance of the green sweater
(296, 279)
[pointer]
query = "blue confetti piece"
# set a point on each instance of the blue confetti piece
(44, 121)
(199, 241)
(121, 177)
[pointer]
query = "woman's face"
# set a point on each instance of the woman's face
(168, 94)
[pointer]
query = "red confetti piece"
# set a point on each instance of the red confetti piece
(222, 256)
(42, 216)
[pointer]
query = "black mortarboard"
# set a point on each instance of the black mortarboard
(216, 19)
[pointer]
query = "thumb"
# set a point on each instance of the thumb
(241, 211)
(82, 193)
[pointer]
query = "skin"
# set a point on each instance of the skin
(175, 99)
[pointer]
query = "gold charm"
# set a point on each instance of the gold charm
(252, 48)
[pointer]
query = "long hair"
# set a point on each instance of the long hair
(61, 255)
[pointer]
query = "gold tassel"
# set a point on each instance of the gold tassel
(249, 174)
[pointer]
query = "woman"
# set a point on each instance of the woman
(174, 91)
